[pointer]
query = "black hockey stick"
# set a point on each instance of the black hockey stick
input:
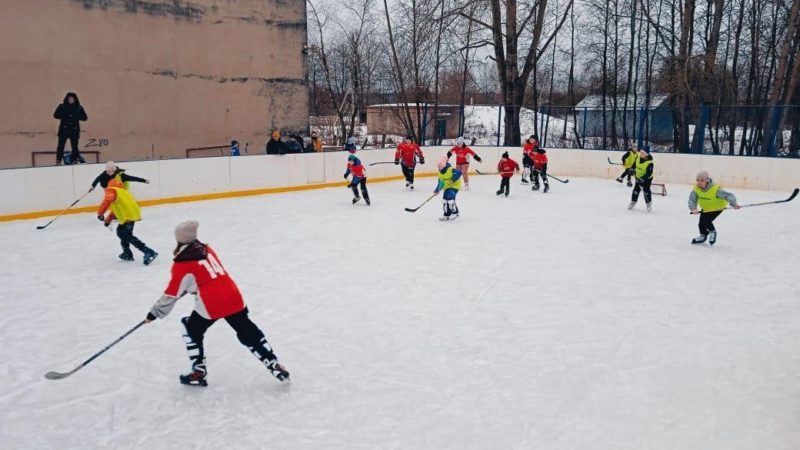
(614, 164)
(58, 375)
(42, 227)
(555, 178)
(423, 203)
(382, 162)
(790, 198)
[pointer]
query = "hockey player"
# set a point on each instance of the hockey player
(712, 199)
(628, 160)
(506, 167)
(643, 170)
(126, 211)
(527, 159)
(450, 183)
(463, 153)
(350, 146)
(113, 171)
(539, 156)
(355, 168)
(197, 270)
(406, 155)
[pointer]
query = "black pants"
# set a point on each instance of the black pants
(126, 238)
(505, 185)
(644, 186)
(76, 153)
(535, 175)
(628, 172)
(359, 182)
(706, 224)
(247, 332)
(408, 172)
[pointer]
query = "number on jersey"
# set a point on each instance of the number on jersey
(213, 266)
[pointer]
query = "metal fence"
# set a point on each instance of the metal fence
(726, 130)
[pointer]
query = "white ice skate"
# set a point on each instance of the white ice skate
(631, 205)
(699, 239)
(649, 207)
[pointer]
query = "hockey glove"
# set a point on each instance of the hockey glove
(396, 162)
(422, 160)
(449, 154)
(101, 218)
(150, 317)
(478, 158)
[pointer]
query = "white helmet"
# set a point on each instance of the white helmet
(460, 140)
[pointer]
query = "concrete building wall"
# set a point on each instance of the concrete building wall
(155, 76)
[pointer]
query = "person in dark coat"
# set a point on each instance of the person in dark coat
(276, 146)
(70, 113)
(114, 172)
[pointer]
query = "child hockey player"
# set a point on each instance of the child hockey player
(462, 153)
(527, 159)
(539, 156)
(450, 183)
(712, 199)
(112, 171)
(643, 170)
(355, 167)
(628, 160)
(125, 209)
(406, 155)
(197, 270)
(506, 167)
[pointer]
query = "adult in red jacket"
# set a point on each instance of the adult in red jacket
(197, 270)
(527, 156)
(539, 168)
(406, 155)
(506, 167)
(463, 153)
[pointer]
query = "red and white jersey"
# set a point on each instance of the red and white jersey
(462, 154)
(217, 296)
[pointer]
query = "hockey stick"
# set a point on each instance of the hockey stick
(382, 162)
(790, 198)
(423, 203)
(486, 173)
(58, 375)
(42, 227)
(614, 164)
(555, 178)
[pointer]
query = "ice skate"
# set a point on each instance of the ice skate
(535, 187)
(197, 377)
(712, 237)
(126, 255)
(619, 180)
(500, 192)
(699, 239)
(356, 200)
(278, 371)
(630, 184)
(649, 207)
(149, 256)
(546, 188)
(631, 205)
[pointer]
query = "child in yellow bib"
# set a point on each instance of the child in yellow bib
(713, 200)
(126, 211)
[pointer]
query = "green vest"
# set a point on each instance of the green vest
(708, 200)
(446, 180)
(125, 208)
(630, 159)
(125, 184)
(641, 167)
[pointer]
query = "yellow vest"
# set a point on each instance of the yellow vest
(125, 208)
(630, 159)
(641, 167)
(446, 179)
(708, 200)
(126, 184)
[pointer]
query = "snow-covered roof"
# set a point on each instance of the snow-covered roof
(596, 101)
(410, 104)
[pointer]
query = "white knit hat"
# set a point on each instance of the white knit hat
(186, 232)
(702, 175)
(111, 165)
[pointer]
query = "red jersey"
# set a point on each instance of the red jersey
(539, 159)
(507, 168)
(462, 154)
(527, 149)
(407, 153)
(217, 294)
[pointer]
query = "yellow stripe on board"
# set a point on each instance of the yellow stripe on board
(202, 197)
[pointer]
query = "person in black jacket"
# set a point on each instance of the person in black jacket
(276, 146)
(111, 172)
(70, 113)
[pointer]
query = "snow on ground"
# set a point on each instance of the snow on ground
(547, 321)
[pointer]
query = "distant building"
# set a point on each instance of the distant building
(386, 119)
(656, 126)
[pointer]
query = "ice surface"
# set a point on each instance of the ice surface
(546, 321)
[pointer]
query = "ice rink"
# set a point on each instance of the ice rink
(538, 321)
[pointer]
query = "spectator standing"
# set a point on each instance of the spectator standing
(70, 113)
